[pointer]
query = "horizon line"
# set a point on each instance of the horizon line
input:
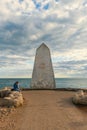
(31, 77)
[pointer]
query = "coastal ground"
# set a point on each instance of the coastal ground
(46, 110)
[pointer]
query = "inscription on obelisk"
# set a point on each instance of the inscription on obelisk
(43, 75)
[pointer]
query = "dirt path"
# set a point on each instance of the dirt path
(47, 110)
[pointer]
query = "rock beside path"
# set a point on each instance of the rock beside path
(4, 111)
(80, 98)
(10, 98)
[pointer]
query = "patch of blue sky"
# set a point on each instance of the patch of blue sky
(37, 4)
(46, 6)
(20, 1)
(57, 0)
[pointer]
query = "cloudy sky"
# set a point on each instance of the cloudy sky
(25, 24)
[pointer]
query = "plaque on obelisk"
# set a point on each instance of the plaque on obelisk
(43, 75)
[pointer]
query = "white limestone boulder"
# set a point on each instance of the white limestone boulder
(5, 92)
(80, 98)
(6, 101)
(11, 98)
(17, 98)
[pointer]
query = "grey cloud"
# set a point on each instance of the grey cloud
(72, 65)
(22, 34)
(71, 68)
(16, 33)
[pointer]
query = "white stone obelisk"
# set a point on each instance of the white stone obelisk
(43, 75)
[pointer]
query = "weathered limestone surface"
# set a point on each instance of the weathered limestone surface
(43, 75)
(4, 92)
(10, 98)
(80, 98)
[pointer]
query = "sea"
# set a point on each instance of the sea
(60, 82)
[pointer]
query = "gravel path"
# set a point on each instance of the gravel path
(47, 110)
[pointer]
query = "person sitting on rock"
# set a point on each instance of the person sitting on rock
(16, 86)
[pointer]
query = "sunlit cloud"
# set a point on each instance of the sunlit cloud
(61, 24)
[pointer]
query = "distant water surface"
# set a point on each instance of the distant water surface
(60, 82)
